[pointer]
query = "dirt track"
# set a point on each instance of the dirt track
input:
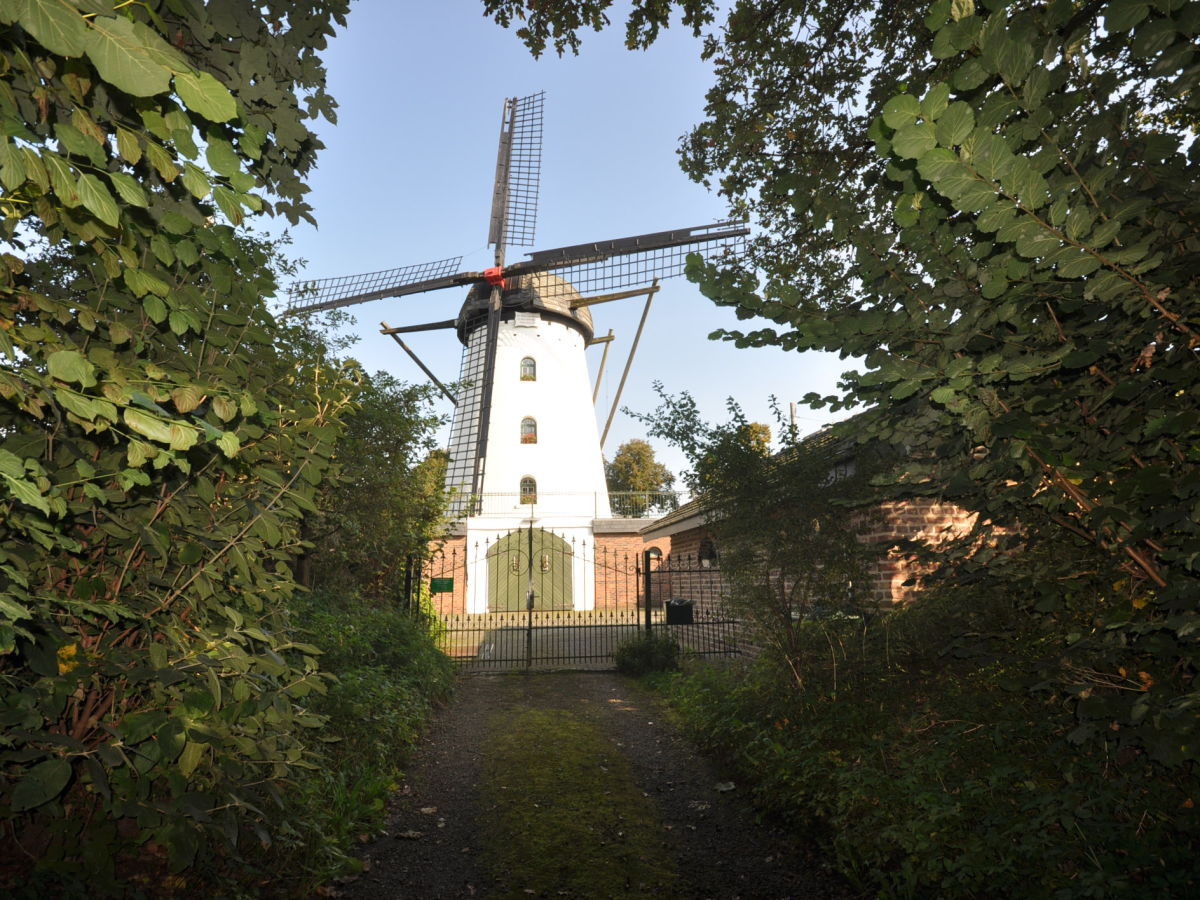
(434, 844)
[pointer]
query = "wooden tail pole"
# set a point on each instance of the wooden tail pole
(650, 292)
(424, 368)
(600, 372)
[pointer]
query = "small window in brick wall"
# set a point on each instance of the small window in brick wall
(528, 369)
(528, 431)
(708, 554)
(528, 490)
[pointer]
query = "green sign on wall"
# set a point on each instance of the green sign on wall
(441, 585)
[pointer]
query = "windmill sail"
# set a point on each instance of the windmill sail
(518, 173)
(464, 431)
(347, 290)
(612, 265)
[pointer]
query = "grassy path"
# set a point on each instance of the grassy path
(574, 785)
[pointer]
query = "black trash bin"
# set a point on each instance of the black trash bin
(680, 612)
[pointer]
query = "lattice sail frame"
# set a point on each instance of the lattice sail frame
(348, 290)
(521, 183)
(641, 269)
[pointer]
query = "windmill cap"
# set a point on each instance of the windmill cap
(540, 292)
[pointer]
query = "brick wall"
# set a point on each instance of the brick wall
(448, 560)
(921, 519)
(925, 520)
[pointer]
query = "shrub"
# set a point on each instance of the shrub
(946, 762)
(388, 674)
(647, 653)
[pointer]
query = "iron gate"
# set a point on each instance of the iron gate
(532, 599)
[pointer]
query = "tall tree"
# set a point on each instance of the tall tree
(789, 544)
(634, 469)
(1003, 234)
(386, 499)
(1002, 225)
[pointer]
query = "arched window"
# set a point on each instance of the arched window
(528, 490)
(528, 431)
(655, 557)
(528, 369)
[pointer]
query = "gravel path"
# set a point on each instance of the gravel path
(432, 846)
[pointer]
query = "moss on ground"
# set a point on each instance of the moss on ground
(565, 816)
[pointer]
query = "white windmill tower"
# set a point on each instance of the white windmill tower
(524, 446)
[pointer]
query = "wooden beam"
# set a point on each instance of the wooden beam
(603, 359)
(428, 326)
(403, 346)
(619, 295)
(649, 292)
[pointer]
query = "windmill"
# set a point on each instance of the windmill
(518, 311)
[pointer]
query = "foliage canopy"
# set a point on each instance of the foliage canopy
(161, 436)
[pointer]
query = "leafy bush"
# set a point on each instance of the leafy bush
(647, 653)
(946, 762)
(387, 676)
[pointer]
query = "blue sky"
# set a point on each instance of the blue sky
(406, 178)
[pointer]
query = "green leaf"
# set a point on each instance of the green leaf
(97, 199)
(155, 309)
(192, 753)
(119, 53)
(205, 96)
(41, 784)
(128, 189)
(162, 161)
(955, 124)
(221, 157)
(57, 25)
(1038, 242)
(229, 443)
(912, 141)
(1121, 15)
(141, 282)
(70, 365)
(996, 216)
(128, 146)
(990, 155)
(938, 163)
(227, 200)
(907, 211)
(224, 408)
(1014, 58)
(11, 464)
(935, 101)
(27, 492)
(187, 397)
(970, 75)
(183, 437)
(901, 110)
(1104, 234)
(960, 9)
(148, 426)
(62, 178)
(195, 181)
(1080, 265)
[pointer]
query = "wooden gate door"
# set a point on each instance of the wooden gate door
(508, 571)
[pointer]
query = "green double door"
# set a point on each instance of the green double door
(508, 571)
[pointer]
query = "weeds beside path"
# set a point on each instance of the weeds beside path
(575, 785)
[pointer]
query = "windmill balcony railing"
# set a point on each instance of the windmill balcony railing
(621, 504)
